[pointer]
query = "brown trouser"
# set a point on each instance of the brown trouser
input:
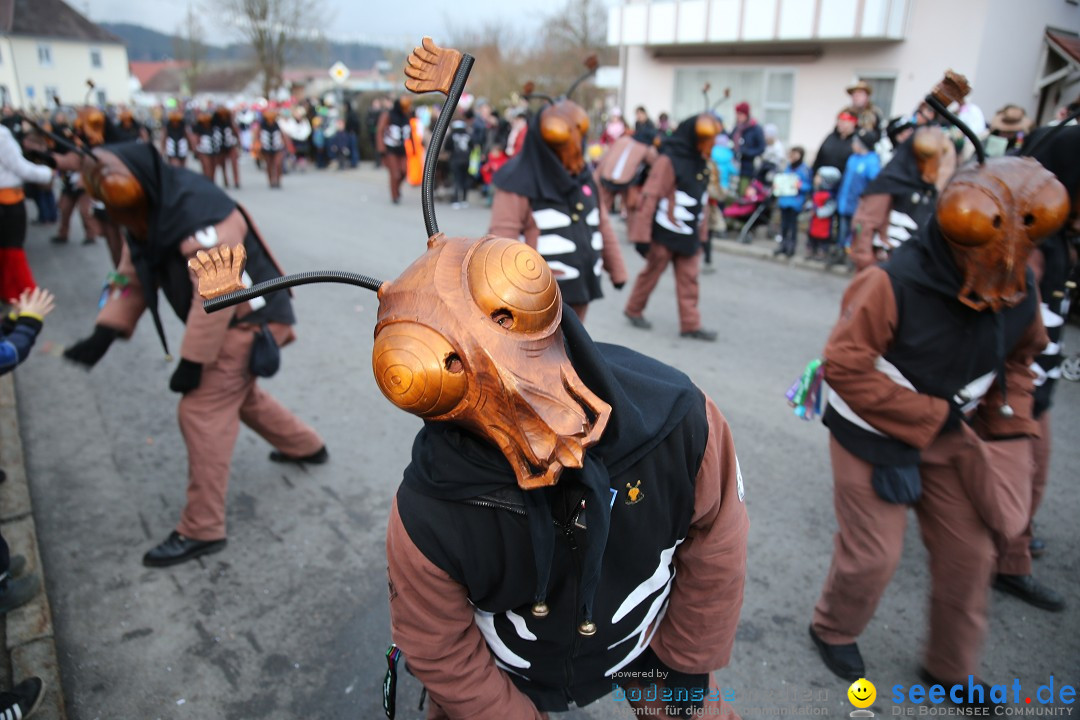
(210, 419)
(867, 550)
(398, 165)
(1014, 556)
(273, 162)
(686, 284)
(68, 204)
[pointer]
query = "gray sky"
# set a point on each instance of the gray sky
(397, 21)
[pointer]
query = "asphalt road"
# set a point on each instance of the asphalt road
(291, 620)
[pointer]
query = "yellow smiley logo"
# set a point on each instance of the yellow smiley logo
(862, 693)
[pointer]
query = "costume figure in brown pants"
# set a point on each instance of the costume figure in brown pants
(391, 134)
(272, 147)
(670, 226)
(1051, 263)
(169, 214)
(931, 407)
(547, 198)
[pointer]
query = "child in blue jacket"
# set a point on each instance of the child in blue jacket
(862, 167)
(790, 205)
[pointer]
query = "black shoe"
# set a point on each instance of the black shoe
(23, 699)
(318, 457)
(58, 240)
(844, 660)
(3, 476)
(1030, 591)
(15, 592)
(638, 321)
(1037, 547)
(979, 700)
(707, 336)
(176, 549)
(88, 240)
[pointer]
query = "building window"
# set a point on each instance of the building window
(769, 91)
(883, 86)
(95, 58)
(51, 92)
(5, 96)
(44, 55)
(100, 98)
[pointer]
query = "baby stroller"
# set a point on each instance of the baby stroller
(756, 204)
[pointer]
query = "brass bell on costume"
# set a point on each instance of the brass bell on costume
(540, 610)
(587, 628)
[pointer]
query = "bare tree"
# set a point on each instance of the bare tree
(188, 48)
(502, 59)
(274, 29)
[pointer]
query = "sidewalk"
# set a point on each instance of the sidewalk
(763, 250)
(30, 648)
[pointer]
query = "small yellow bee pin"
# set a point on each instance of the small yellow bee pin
(634, 493)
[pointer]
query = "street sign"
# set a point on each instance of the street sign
(339, 72)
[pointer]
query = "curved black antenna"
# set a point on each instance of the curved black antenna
(529, 97)
(305, 278)
(722, 100)
(89, 89)
(1030, 150)
(940, 109)
(591, 63)
(427, 188)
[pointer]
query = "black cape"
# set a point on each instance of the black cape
(536, 172)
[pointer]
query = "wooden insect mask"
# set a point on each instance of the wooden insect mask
(993, 216)
(469, 333)
(563, 126)
(109, 180)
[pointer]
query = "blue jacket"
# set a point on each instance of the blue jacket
(796, 202)
(860, 170)
(724, 158)
(17, 340)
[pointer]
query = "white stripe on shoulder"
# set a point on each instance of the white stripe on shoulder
(562, 271)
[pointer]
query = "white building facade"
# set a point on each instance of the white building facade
(49, 50)
(792, 59)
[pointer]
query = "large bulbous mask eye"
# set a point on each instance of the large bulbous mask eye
(554, 129)
(969, 215)
(513, 285)
(1047, 210)
(418, 369)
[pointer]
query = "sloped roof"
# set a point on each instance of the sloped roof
(1070, 44)
(213, 78)
(146, 71)
(50, 19)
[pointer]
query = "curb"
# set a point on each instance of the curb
(29, 629)
(765, 252)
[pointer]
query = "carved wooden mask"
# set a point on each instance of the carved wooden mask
(90, 123)
(469, 333)
(109, 180)
(563, 127)
(993, 216)
(706, 128)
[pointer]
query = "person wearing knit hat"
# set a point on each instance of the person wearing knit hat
(748, 141)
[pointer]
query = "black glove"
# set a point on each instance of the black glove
(40, 157)
(619, 286)
(87, 352)
(187, 377)
(956, 417)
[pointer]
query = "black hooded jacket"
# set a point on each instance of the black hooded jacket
(691, 186)
(901, 179)
(939, 344)
(461, 506)
(181, 204)
(563, 205)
